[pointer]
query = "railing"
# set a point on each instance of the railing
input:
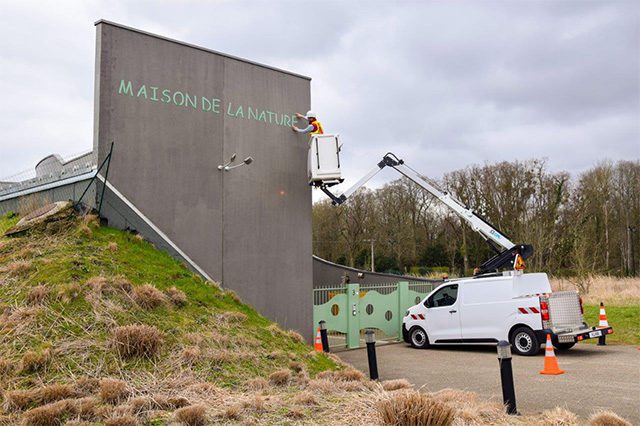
(51, 169)
(349, 309)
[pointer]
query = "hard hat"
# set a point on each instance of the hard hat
(310, 114)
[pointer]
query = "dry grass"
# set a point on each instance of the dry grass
(255, 403)
(6, 367)
(305, 398)
(280, 378)
(233, 412)
(18, 267)
(69, 292)
(137, 341)
(148, 297)
(558, 417)
(176, 297)
(84, 231)
(125, 420)
(33, 362)
(112, 246)
(349, 375)
(414, 408)
(193, 415)
(23, 399)
(607, 418)
(610, 290)
(39, 295)
(190, 355)
(258, 384)
(47, 415)
(232, 317)
(391, 385)
(113, 391)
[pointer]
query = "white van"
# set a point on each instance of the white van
(519, 308)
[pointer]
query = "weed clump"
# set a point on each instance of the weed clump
(558, 416)
(137, 341)
(18, 267)
(112, 246)
(305, 398)
(6, 367)
(391, 385)
(38, 295)
(125, 420)
(113, 391)
(280, 378)
(33, 362)
(349, 375)
(607, 418)
(414, 408)
(176, 297)
(148, 297)
(190, 355)
(232, 317)
(23, 399)
(193, 415)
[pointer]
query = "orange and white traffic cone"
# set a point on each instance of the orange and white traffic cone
(603, 317)
(318, 345)
(550, 360)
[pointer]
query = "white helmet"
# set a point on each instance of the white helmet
(311, 114)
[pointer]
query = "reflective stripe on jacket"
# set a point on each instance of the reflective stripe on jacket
(318, 130)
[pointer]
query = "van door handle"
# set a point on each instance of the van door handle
(453, 311)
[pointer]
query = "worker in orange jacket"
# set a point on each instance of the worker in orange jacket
(313, 128)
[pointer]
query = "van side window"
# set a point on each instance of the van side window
(446, 296)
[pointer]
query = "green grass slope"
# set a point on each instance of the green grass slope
(67, 289)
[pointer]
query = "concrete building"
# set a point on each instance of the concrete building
(175, 112)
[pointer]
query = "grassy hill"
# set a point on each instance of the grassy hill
(99, 327)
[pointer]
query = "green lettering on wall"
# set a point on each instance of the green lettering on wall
(125, 88)
(252, 114)
(206, 104)
(191, 101)
(216, 105)
(286, 120)
(166, 96)
(240, 112)
(229, 109)
(154, 92)
(142, 91)
(263, 116)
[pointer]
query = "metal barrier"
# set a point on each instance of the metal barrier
(349, 309)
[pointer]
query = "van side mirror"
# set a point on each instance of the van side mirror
(428, 303)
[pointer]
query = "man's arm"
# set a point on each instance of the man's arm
(307, 129)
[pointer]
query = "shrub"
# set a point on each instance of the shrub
(148, 297)
(414, 408)
(607, 418)
(137, 341)
(280, 378)
(38, 295)
(113, 391)
(193, 415)
(177, 297)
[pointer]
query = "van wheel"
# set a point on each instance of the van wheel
(524, 341)
(418, 338)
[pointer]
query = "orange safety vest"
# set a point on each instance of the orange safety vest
(319, 130)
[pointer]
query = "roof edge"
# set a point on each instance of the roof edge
(237, 58)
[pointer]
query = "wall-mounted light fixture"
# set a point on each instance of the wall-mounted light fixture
(227, 166)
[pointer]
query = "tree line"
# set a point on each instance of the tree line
(578, 226)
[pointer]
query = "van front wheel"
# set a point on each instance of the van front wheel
(524, 341)
(418, 338)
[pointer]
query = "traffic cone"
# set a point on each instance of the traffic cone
(318, 344)
(603, 317)
(550, 360)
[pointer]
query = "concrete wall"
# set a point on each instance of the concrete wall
(249, 228)
(328, 273)
(54, 193)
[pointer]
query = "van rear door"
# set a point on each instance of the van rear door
(443, 316)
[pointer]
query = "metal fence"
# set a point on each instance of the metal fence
(350, 309)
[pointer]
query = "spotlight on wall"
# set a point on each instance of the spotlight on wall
(226, 167)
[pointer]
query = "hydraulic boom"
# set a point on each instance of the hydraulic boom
(505, 257)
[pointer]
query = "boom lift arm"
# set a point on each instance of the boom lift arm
(505, 257)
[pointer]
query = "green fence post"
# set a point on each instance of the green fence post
(353, 316)
(403, 304)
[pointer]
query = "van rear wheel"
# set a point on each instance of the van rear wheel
(418, 338)
(524, 341)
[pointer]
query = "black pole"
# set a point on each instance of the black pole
(107, 158)
(370, 338)
(506, 377)
(323, 336)
(106, 175)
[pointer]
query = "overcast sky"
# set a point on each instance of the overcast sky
(442, 84)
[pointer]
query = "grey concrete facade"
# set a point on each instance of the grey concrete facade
(175, 112)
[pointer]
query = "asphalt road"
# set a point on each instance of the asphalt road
(596, 377)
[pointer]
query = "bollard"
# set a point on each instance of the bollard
(323, 336)
(370, 339)
(506, 377)
(602, 340)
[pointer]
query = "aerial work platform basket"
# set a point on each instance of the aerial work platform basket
(324, 160)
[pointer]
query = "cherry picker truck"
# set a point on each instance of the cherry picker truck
(499, 302)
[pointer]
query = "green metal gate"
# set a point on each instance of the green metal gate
(349, 309)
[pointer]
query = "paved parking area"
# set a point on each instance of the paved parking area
(596, 377)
